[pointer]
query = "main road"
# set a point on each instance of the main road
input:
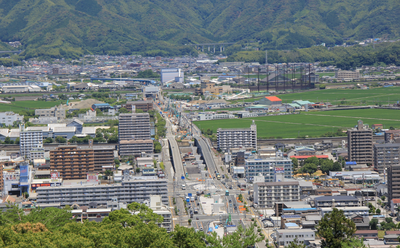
(176, 155)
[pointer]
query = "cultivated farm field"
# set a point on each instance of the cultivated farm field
(311, 124)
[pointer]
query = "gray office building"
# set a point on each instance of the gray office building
(134, 190)
(386, 155)
(134, 134)
(360, 144)
(267, 194)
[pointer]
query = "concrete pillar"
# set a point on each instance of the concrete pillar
(220, 48)
(202, 48)
(209, 48)
(214, 48)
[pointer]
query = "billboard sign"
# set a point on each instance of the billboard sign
(92, 177)
(54, 175)
(279, 170)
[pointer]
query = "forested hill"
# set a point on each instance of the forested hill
(69, 28)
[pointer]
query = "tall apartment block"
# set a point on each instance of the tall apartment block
(103, 159)
(273, 169)
(28, 141)
(386, 155)
(237, 137)
(394, 182)
(266, 194)
(71, 162)
(359, 144)
(134, 190)
(134, 134)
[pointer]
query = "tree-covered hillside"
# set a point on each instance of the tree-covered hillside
(70, 28)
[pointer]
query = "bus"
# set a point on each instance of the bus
(227, 193)
(218, 176)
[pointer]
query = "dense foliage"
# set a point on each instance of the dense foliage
(335, 229)
(70, 28)
(345, 58)
(52, 227)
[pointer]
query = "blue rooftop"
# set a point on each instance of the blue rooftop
(291, 224)
(101, 104)
(351, 163)
(290, 216)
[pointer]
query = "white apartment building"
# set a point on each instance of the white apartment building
(8, 118)
(286, 236)
(237, 137)
(28, 141)
(273, 169)
(52, 112)
(137, 189)
(266, 194)
(347, 75)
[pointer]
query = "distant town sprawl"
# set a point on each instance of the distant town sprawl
(213, 147)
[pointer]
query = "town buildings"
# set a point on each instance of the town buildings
(360, 144)
(8, 118)
(267, 193)
(394, 182)
(29, 140)
(134, 134)
(347, 75)
(386, 155)
(71, 162)
(57, 112)
(272, 169)
(237, 137)
(142, 105)
(137, 189)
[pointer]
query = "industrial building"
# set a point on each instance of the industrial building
(386, 155)
(170, 75)
(267, 193)
(137, 189)
(359, 140)
(237, 137)
(270, 100)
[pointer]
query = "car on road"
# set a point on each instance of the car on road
(230, 187)
(230, 200)
(197, 218)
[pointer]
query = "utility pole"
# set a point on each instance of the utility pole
(309, 76)
(267, 79)
(258, 78)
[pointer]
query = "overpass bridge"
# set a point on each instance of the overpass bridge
(211, 45)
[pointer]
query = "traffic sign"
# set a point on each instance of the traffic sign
(182, 177)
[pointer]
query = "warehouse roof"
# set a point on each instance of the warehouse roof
(273, 99)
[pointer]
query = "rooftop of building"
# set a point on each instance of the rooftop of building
(278, 183)
(136, 141)
(336, 198)
(273, 99)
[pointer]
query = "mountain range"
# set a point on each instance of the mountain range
(70, 28)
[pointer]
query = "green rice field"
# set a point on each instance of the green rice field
(348, 96)
(310, 124)
(28, 105)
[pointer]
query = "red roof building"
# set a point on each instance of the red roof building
(270, 100)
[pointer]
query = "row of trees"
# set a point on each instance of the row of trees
(311, 165)
(343, 57)
(52, 227)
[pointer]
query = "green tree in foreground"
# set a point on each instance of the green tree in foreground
(334, 229)
(52, 227)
